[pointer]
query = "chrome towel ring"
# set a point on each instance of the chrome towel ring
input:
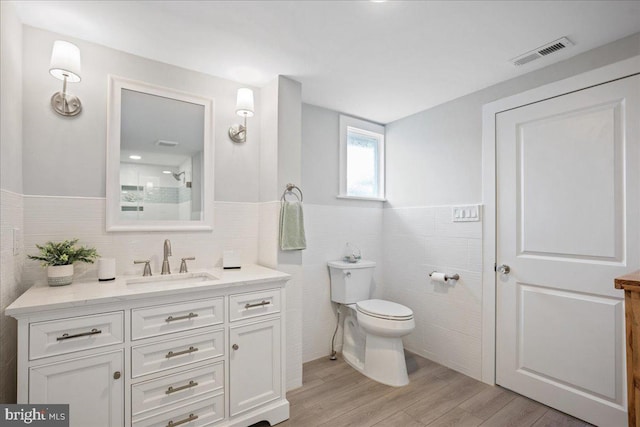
(290, 190)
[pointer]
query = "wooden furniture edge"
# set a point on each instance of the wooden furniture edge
(629, 281)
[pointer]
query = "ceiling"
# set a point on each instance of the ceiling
(377, 60)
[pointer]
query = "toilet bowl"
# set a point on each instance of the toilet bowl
(373, 328)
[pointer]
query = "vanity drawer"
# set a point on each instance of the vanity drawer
(201, 413)
(159, 356)
(254, 304)
(172, 389)
(164, 319)
(75, 334)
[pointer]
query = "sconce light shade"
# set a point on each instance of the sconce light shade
(244, 103)
(244, 108)
(65, 61)
(65, 65)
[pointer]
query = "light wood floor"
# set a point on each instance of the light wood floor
(334, 394)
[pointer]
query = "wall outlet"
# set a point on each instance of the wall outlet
(467, 213)
(17, 239)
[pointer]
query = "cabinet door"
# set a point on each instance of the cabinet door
(254, 365)
(90, 385)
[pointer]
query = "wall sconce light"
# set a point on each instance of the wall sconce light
(65, 65)
(244, 108)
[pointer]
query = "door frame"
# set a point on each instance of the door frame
(598, 76)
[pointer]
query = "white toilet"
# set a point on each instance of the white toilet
(373, 328)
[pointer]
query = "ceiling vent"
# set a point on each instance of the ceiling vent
(545, 50)
(165, 143)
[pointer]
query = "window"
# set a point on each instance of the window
(361, 159)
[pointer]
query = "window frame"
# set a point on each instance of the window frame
(370, 129)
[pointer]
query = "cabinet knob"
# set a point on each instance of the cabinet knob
(235, 346)
(116, 375)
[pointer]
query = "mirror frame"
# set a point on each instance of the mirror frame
(114, 109)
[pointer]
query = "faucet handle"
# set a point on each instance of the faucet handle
(183, 264)
(147, 266)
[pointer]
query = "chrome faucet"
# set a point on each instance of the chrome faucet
(147, 266)
(183, 265)
(166, 269)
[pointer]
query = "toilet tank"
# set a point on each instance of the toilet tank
(351, 282)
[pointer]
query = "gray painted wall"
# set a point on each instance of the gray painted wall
(289, 132)
(10, 99)
(434, 157)
(269, 142)
(280, 144)
(321, 158)
(66, 156)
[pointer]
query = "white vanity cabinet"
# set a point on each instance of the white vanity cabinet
(92, 385)
(208, 355)
(255, 355)
(70, 362)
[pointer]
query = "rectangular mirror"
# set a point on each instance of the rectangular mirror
(159, 158)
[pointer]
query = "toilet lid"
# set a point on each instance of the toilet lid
(384, 309)
(343, 265)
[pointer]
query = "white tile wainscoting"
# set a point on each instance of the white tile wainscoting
(58, 218)
(417, 241)
(11, 286)
(295, 337)
(328, 229)
(407, 244)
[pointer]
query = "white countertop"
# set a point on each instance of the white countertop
(84, 293)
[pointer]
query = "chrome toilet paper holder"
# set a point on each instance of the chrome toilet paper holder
(448, 276)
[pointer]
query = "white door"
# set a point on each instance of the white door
(93, 387)
(254, 365)
(567, 224)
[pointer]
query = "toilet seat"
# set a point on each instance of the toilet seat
(384, 309)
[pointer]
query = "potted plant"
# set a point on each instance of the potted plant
(59, 257)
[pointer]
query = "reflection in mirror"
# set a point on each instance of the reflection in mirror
(159, 159)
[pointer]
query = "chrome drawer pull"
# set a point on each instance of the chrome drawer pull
(186, 316)
(83, 334)
(180, 353)
(190, 418)
(258, 304)
(183, 387)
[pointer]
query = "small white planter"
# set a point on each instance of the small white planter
(60, 275)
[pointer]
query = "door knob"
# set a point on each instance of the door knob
(116, 375)
(235, 346)
(503, 269)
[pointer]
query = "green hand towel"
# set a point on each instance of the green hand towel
(292, 227)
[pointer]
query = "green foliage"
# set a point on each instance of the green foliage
(64, 253)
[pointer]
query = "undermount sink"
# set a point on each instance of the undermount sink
(174, 279)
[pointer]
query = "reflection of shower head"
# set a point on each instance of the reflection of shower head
(177, 175)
